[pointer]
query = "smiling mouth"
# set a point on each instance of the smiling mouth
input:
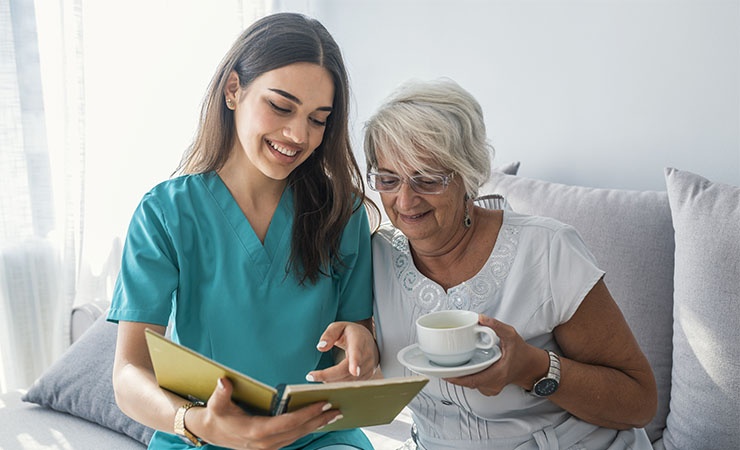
(414, 216)
(280, 149)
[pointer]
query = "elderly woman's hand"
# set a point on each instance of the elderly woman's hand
(361, 352)
(515, 366)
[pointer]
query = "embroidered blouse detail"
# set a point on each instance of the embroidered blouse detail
(469, 295)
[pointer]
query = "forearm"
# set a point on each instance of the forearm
(605, 396)
(139, 396)
(606, 379)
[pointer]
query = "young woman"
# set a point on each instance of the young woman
(258, 253)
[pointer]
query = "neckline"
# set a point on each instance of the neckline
(262, 253)
(405, 249)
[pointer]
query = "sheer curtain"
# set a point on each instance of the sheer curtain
(97, 103)
(31, 276)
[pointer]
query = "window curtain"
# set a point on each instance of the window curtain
(39, 242)
(61, 182)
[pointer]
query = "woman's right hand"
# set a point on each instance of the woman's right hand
(225, 424)
(519, 362)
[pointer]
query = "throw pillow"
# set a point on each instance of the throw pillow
(80, 383)
(630, 234)
(706, 337)
(511, 168)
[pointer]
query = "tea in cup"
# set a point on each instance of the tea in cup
(450, 338)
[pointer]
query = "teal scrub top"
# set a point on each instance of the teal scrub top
(192, 259)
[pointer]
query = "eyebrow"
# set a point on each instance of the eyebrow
(295, 99)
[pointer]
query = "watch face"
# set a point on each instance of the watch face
(545, 387)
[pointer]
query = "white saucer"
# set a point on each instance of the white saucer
(413, 359)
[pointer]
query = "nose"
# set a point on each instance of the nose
(296, 130)
(406, 197)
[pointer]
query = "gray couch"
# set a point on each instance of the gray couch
(672, 262)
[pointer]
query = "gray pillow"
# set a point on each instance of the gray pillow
(511, 168)
(631, 236)
(80, 383)
(705, 400)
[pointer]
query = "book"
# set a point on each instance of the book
(362, 403)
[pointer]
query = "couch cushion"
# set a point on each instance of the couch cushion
(28, 426)
(80, 383)
(705, 401)
(630, 234)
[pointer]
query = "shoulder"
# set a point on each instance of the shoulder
(387, 236)
(538, 233)
(178, 190)
(544, 235)
(358, 220)
(386, 231)
(179, 185)
(545, 224)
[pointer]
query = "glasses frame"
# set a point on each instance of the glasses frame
(445, 179)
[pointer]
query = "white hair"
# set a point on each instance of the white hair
(425, 125)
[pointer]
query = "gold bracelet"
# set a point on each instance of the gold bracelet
(180, 428)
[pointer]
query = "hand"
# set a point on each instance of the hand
(361, 360)
(225, 424)
(515, 366)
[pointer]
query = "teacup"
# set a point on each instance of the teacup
(450, 338)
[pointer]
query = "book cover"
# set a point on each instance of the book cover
(363, 403)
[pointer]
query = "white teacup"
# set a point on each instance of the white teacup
(450, 338)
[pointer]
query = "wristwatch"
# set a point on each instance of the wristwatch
(548, 384)
(180, 428)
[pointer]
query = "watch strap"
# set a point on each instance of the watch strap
(180, 428)
(552, 377)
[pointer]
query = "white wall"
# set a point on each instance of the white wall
(596, 92)
(604, 93)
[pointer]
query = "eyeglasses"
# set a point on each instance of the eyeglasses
(421, 184)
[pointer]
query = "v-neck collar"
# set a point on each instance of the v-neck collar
(262, 254)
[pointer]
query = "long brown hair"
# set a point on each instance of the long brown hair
(327, 187)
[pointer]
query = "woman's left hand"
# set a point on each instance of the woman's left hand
(361, 352)
(515, 366)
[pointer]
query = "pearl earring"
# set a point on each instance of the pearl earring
(230, 103)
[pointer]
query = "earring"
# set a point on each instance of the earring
(230, 103)
(467, 221)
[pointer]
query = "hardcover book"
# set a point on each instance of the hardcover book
(362, 403)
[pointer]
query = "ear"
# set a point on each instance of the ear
(232, 87)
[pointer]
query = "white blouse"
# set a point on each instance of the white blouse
(536, 277)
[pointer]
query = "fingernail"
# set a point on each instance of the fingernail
(330, 422)
(220, 384)
(309, 377)
(321, 344)
(358, 371)
(326, 407)
(335, 419)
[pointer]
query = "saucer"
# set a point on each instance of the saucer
(413, 359)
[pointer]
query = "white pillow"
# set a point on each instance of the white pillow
(705, 399)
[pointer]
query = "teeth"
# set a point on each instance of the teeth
(282, 150)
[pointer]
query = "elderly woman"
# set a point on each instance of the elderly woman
(570, 373)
